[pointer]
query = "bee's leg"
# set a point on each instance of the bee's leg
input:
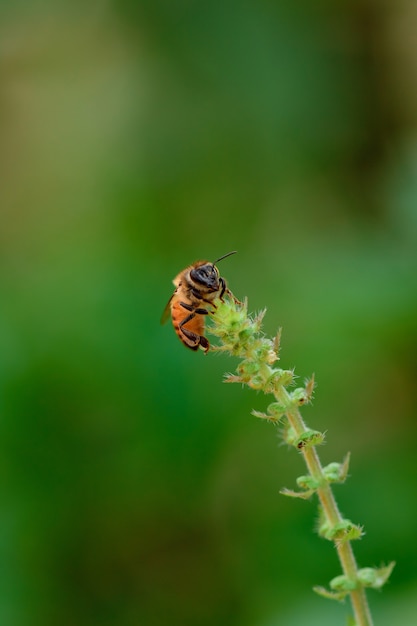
(197, 339)
(198, 296)
(204, 342)
(193, 312)
(223, 284)
(225, 289)
(193, 337)
(236, 301)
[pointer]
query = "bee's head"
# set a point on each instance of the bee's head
(206, 275)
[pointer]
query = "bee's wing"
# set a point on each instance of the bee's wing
(167, 311)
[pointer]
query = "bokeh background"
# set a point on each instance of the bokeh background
(136, 137)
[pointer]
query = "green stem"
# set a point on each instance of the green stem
(331, 511)
(241, 335)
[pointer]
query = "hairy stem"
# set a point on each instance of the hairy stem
(331, 511)
(241, 335)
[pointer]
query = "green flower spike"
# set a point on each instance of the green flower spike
(241, 335)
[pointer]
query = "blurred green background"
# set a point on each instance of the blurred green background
(136, 137)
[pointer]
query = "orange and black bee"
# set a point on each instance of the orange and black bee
(195, 287)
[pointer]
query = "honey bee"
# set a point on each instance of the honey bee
(196, 287)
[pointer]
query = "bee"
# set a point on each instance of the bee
(196, 288)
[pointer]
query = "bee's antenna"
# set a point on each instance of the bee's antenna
(224, 256)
